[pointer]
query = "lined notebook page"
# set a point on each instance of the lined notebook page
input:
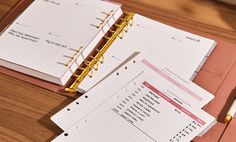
(186, 92)
(183, 52)
(144, 108)
(48, 33)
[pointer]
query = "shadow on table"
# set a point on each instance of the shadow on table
(47, 123)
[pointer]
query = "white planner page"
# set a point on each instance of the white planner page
(150, 107)
(183, 91)
(184, 53)
(49, 33)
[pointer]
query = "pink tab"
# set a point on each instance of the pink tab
(154, 68)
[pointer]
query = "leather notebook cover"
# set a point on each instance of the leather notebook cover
(14, 13)
(218, 76)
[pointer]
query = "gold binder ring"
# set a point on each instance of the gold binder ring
(80, 49)
(71, 70)
(123, 20)
(66, 56)
(68, 63)
(74, 56)
(102, 20)
(98, 50)
(64, 64)
(101, 60)
(95, 67)
(98, 27)
(92, 57)
(75, 75)
(122, 34)
(131, 23)
(80, 68)
(90, 74)
(117, 25)
(77, 50)
(106, 37)
(108, 14)
(101, 24)
(112, 31)
(126, 29)
(87, 63)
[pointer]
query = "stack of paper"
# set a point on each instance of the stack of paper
(138, 102)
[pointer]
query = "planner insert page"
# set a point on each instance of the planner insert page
(52, 37)
(189, 94)
(145, 108)
(182, 52)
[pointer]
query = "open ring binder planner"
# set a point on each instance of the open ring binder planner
(83, 41)
(217, 75)
(63, 41)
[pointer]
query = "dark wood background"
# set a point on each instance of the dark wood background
(25, 109)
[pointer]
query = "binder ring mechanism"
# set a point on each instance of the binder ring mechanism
(90, 64)
(71, 58)
(103, 20)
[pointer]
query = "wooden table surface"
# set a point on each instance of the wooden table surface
(25, 109)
